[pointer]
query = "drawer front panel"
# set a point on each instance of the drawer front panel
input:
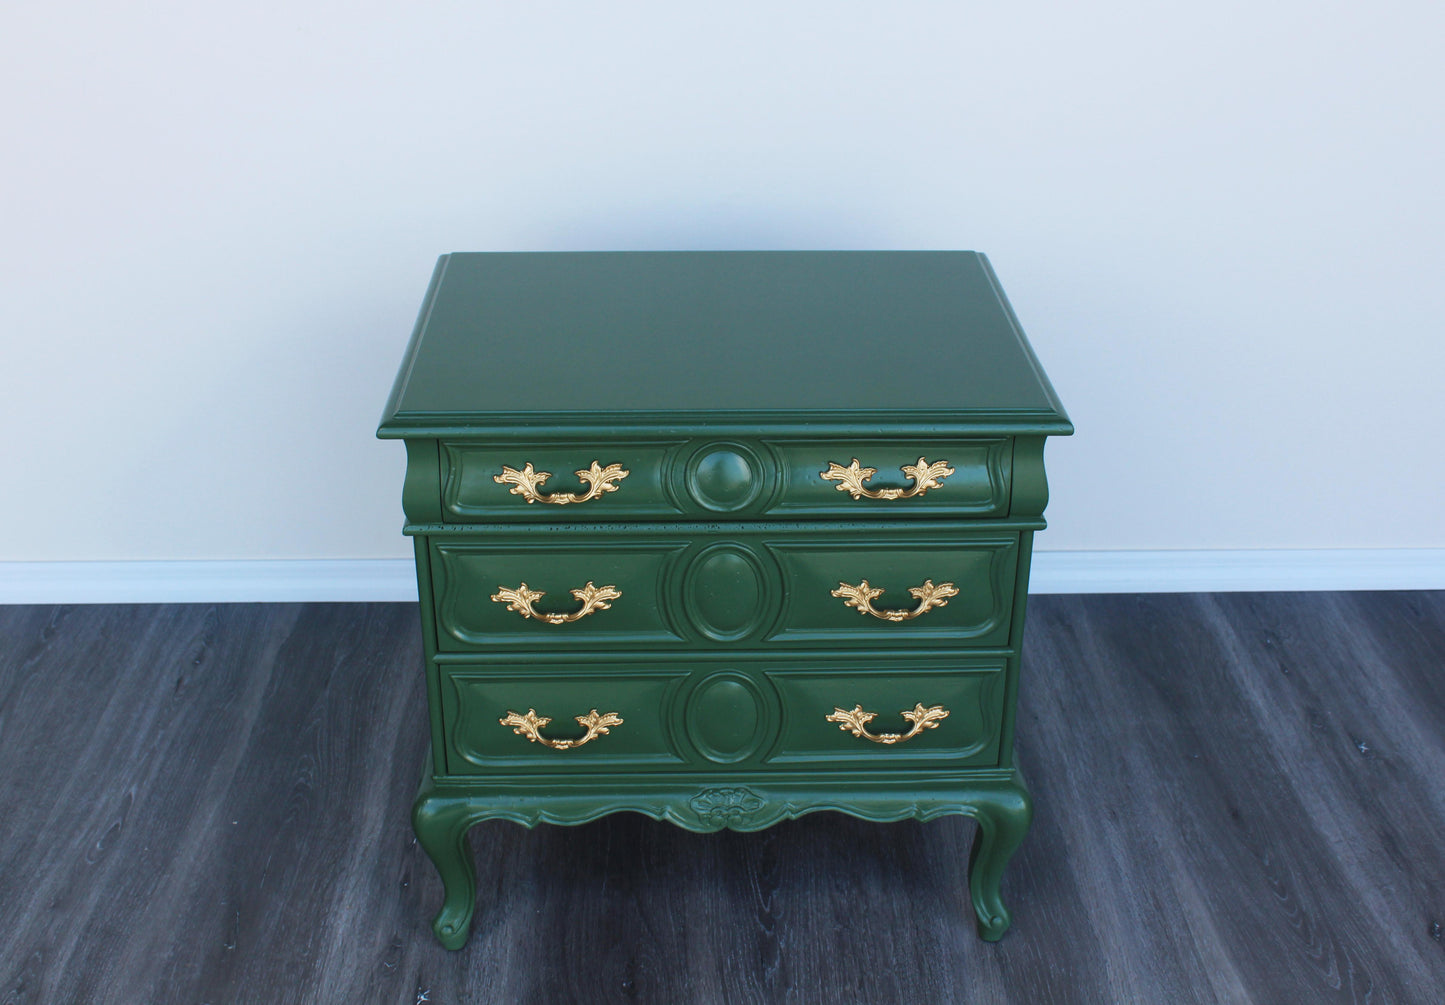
(716, 714)
(854, 589)
(466, 575)
(472, 494)
(981, 567)
(475, 700)
(873, 701)
(972, 478)
(584, 481)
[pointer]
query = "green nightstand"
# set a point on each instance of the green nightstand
(723, 538)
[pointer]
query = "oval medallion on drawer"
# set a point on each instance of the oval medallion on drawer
(724, 477)
(728, 717)
(726, 593)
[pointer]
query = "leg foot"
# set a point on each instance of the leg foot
(441, 824)
(1003, 816)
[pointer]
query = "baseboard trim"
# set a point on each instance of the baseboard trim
(207, 582)
(1236, 571)
(351, 580)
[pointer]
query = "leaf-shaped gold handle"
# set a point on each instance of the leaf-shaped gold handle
(856, 722)
(594, 598)
(863, 595)
(924, 476)
(530, 726)
(527, 483)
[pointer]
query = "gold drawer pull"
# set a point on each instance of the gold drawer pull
(925, 476)
(527, 482)
(530, 726)
(856, 722)
(594, 598)
(862, 595)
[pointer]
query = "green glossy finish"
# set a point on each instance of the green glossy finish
(726, 384)
(1031, 487)
(473, 698)
(688, 587)
(815, 332)
(971, 690)
(729, 717)
(742, 478)
(720, 711)
(419, 491)
(446, 808)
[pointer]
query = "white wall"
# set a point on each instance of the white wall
(1220, 223)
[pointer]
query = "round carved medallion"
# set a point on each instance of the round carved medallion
(726, 592)
(724, 477)
(727, 717)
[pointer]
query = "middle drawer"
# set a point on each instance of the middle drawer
(629, 588)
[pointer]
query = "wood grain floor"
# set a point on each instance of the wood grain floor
(1241, 798)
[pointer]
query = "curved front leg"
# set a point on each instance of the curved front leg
(441, 824)
(1003, 816)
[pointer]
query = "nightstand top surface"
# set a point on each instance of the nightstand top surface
(558, 337)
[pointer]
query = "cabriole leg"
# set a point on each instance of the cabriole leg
(441, 824)
(1003, 816)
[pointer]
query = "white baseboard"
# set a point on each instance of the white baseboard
(292, 580)
(207, 582)
(1233, 571)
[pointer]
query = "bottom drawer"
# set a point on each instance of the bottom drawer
(653, 714)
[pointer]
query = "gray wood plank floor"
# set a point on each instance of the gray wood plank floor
(1241, 798)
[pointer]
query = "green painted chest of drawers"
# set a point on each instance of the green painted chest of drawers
(722, 538)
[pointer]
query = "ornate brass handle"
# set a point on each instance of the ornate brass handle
(594, 598)
(530, 726)
(862, 596)
(527, 483)
(856, 722)
(925, 476)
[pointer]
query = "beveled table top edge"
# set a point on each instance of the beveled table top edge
(756, 424)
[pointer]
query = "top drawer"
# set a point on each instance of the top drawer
(611, 480)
